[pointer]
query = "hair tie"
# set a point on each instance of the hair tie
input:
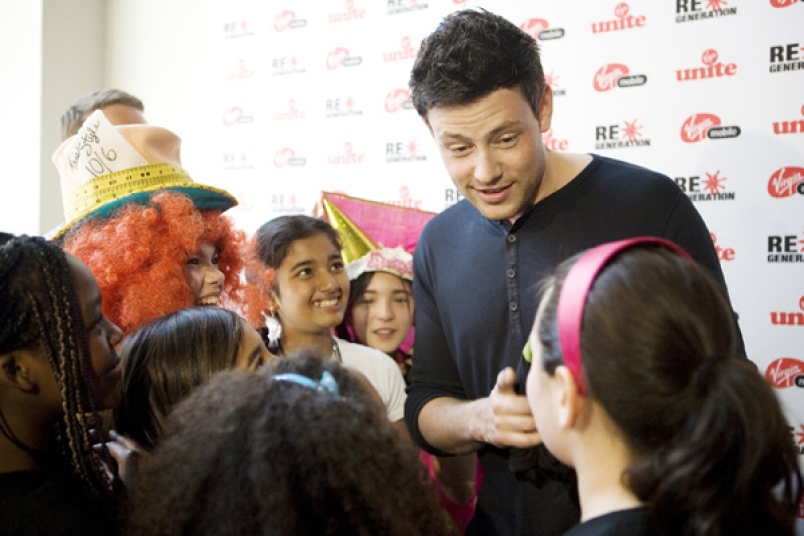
(326, 384)
(575, 291)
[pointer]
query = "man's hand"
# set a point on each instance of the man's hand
(508, 421)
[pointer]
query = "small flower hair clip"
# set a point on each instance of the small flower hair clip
(326, 384)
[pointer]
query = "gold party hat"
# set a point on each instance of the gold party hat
(355, 242)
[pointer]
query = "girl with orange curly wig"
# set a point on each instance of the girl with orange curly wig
(151, 260)
(155, 240)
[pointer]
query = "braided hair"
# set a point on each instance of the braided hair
(39, 306)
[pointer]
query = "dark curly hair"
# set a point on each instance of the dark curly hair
(712, 446)
(247, 454)
(471, 54)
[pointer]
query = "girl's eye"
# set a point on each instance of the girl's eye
(215, 259)
(304, 272)
(401, 300)
(365, 301)
(337, 265)
(192, 260)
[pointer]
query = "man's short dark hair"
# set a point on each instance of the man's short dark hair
(471, 54)
(75, 115)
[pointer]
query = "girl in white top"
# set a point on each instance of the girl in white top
(298, 281)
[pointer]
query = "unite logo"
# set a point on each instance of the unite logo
(405, 200)
(553, 143)
(712, 69)
(789, 127)
(786, 182)
(692, 10)
(291, 114)
(398, 99)
(624, 21)
(723, 253)
(614, 75)
(349, 156)
(351, 13)
(286, 20)
(539, 29)
(698, 127)
(785, 372)
(789, 319)
(406, 52)
(287, 157)
(235, 116)
(339, 57)
(608, 136)
(712, 188)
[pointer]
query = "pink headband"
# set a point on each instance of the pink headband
(576, 288)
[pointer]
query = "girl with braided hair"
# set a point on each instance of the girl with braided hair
(635, 383)
(58, 369)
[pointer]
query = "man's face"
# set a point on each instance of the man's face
(493, 150)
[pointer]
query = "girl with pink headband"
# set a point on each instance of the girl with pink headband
(635, 384)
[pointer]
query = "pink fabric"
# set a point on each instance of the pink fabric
(463, 513)
(387, 225)
(575, 290)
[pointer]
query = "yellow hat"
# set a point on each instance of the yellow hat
(105, 166)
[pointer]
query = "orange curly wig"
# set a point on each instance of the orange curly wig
(257, 293)
(137, 257)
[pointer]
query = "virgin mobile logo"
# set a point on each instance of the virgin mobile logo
(614, 75)
(782, 3)
(786, 181)
(398, 99)
(540, 29)
(698, 127)
(782, 373)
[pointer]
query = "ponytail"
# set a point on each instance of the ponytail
(732, 468)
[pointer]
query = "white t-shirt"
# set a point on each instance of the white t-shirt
(383, 373)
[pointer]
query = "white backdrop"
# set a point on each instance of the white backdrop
(311, 96)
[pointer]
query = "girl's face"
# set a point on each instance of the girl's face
(102, 336)
(383, 315)
(311, 287)
(251, 352)
(539, 389)
(202, 274)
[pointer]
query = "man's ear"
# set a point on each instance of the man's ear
(15, 372)
(568, 400)
(546, 109)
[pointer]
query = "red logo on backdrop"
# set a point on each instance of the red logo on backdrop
(607, 76)
(553, 143)
(283, 157)
(624, 21)
(339, 57)
(723, 253)
(789, 127)
(351, 13)
(782, 3)
(782, 373)
(779, 318)
(696, 126)
(396, 100)
(283, 20)
(348, 156)
(713, 69)
(405, 200)
(786, 181)
(714, 183)
(407, 52)
(533, 27)
(800, 435)
(232, 116)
